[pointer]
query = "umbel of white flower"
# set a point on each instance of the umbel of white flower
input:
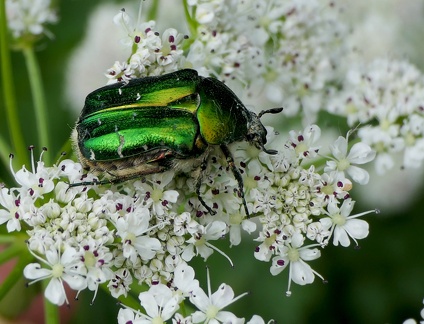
(144, 230)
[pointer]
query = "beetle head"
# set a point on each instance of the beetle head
(256, 133)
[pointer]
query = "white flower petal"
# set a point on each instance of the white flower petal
(301, 273)
(55, 292)
(34, 271)
(357, 228)
(339, 148)
(309, 254)
(223, 296)
(340, 236)
(200, 299)
(147, 300)
(361, 153)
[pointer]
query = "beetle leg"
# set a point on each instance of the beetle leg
(237, 175)
(202, 167)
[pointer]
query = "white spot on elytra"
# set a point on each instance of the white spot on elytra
(99, 121)
(120, 91)
(121, 145)
(92, 155)
(138, 96)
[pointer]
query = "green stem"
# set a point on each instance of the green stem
(152, 14)
(51, 311)
(4, 148)
(15, 131)
(39, 99)
(192, 23)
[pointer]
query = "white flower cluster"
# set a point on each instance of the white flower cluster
(152, 53)
(141, 231)
(29, 17)
(283, 49)
(387, 98)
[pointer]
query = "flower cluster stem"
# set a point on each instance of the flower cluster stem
(51, 311)
(9, 96)
(38, 95)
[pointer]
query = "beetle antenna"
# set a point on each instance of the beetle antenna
(270, 111)
(270, 152)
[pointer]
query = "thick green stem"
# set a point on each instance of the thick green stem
(40, 107)
(11, 110)
(51, 311)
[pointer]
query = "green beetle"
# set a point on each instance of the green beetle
(156, 123)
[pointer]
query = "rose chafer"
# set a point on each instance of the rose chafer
(156, 123)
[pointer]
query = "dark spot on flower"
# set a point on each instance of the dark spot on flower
(137, 39)
(257, 249)
(165, 203)
(119, 206)
(280, 263)
(171, 39)
(300, 138)
(86, 247)
(339, 184)
(215, 191)
(257, 178)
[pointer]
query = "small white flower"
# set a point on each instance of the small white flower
(184, 279)
(12, 213)
(344, 226)
(210, 306)
(302, 142)
(63, 267)
(157, 196)
(132, 229)
(127, 315)
(120, 284)
(198, 243)
(294, 255)
(160, 304)
(360, 153)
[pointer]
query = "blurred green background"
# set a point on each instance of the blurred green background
(382, 282)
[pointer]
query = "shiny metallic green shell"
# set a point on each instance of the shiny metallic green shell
(179, 112)
(148, 125)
